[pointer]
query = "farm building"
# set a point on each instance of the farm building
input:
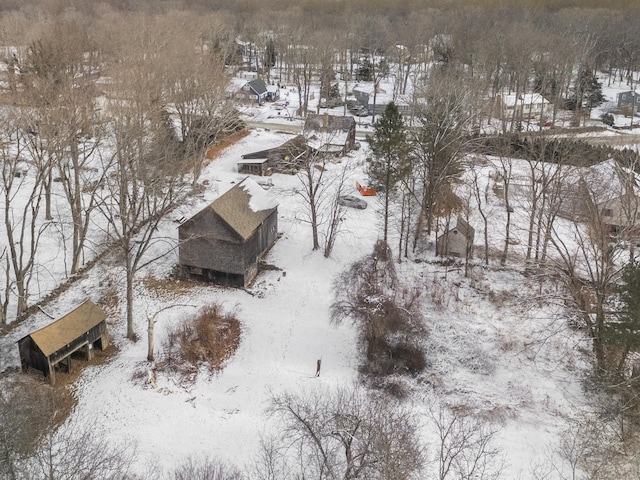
(287, 158)
(256, 166)
(456, 241)
(330, 133)
(222, 242)
(607, 187)
(79, 330)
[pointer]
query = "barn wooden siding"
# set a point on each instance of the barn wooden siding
(223, 241)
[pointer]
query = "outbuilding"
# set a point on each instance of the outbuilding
(457, 241)
(223, 242)
(80, 330)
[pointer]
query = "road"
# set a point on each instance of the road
(295, 126)
(615, 140)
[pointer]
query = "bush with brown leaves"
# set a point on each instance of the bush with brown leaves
(210, 338)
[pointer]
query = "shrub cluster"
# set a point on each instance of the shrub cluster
(387, 316)
(210, 338)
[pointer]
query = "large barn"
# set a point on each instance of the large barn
(80, 330)
(222, 242)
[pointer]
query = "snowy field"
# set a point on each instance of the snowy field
(497, 341)
(489, 347)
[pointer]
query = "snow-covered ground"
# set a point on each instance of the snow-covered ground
(489, 346)
(496, 342)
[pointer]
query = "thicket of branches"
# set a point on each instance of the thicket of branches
(567, 151)
(208, 339)
(386, 313)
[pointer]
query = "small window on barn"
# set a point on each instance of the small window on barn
(607, 212)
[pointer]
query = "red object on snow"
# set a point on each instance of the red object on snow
(365, 191)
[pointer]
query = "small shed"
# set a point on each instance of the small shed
(457, 241)
(82, 329)
(255, 166)
(286, 158)
(222, 242)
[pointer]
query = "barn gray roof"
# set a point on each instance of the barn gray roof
(63, 331)
(244, 207)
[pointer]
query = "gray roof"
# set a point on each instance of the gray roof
(258, 86)
(63, 331)
(464, 228)
(244, 207)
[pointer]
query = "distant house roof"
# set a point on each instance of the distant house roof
(510, 100)
(244, 207)
(328, 132)
(63, 331)
(292, 148)
(258, 86)
(608, 180)
(464, 228)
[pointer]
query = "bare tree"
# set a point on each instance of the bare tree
(144, 176)
(75, 451)
(336, 210)
(345, 434)
(505, 171)
(193, 93)
(37, 441)
(465, 447)
(22, 193)
(589, 263)
(481, 196)
(205, 469)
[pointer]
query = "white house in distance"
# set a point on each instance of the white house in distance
(522, 107)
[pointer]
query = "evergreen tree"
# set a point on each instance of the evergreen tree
(623, 332)
(390, 149)
(587, 90)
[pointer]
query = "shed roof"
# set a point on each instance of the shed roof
(464, 228)
(292, 148)
(244, 207)
(63, 331)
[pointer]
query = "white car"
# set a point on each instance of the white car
(351, 201)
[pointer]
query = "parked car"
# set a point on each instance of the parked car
(359, 110)
(351, 201)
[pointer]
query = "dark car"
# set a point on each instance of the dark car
(359, 110)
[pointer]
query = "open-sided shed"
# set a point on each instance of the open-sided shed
(82, 329)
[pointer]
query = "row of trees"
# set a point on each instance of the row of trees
(514, 49)
(119, 152)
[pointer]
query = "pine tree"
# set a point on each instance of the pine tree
(389, 146)
(623, 331)
(587, 91)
